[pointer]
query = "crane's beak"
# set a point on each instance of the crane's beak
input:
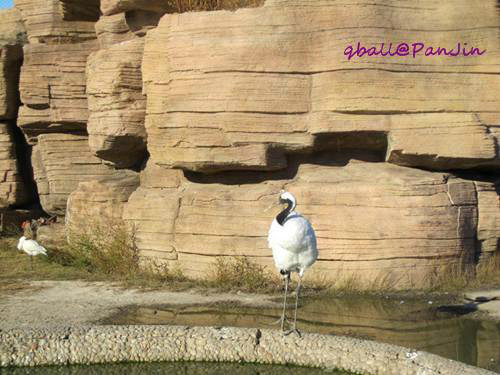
(272, 205)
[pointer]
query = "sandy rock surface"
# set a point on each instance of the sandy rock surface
(60, 163)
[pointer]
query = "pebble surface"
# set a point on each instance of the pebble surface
(108, 344)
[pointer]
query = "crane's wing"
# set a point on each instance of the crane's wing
(33, 248)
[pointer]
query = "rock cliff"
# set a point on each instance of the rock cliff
(393, 153)
(15, 189)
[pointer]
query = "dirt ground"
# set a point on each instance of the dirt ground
(64, 303)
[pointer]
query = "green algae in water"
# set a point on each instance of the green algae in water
(172, 368)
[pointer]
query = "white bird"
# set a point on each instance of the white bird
(31, 247)
(293, 242)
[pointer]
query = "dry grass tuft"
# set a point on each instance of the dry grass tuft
(100, 253)
(181, 6)
(488, 272)
(457, 278)
(450, 278)
(349, 283)
(240, 273)
(110, 251)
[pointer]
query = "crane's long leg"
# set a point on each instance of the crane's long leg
(283, 318)
(283, 314)
(31, 262)
(297, 292)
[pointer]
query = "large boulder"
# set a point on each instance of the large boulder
(373, 220)
(60, 163)
(264, 89)
(99, 203)
(116, 104)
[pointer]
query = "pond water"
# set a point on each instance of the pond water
(173, 368)
(418, 324)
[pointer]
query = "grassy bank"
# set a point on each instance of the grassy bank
(111, 254)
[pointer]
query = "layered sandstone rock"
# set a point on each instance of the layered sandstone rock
(371, 219)
(13, 188)
(262, 88)
(116, 104)
(77, 10)
(11, 57)
(12, 30)
(100, 202)
(53, 88)
(250, 94)
(56, 21)
(60, 163)
(443, 141)
(488, 230)
(112, 30)
(12, 37)
(152, 210)
(110, 7)
(120, 27)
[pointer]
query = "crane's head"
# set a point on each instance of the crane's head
(287, 198)
(284, 198)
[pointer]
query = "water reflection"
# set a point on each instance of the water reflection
(414, 324)
(171, 368)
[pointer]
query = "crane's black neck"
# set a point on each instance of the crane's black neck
(283, 214)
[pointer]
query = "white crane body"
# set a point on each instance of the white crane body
(293, 243)
(31, 247)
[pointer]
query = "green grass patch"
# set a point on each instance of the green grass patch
(15, 264)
